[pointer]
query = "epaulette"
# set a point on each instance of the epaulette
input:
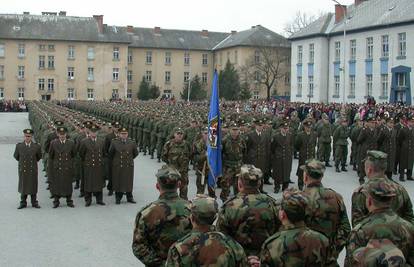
(228, 200)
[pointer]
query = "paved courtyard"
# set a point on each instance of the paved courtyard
(93, 236)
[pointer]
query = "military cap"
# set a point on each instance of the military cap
(370, 116)
(58, 123)
(390, 119)
(376, 155)
(94, 128)
(168, 175)
(294, 203)
(116, 124)
(249, 172)
(109, 125)
(81, 125)
(88, 124)
(178, 130)
(284, 123)
(307, 122)
(233, 125)
(204, 208)
(314, 168)
(379, 252)
(61, 129)
(381, 190)
(259, 122)
(28, 131)
(123, 130)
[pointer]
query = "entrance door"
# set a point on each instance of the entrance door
(46, 97)
(401, 97)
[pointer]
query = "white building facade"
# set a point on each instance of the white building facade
(377, 50)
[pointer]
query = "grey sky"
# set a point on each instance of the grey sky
(213, 15)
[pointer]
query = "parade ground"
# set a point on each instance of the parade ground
(95, 235)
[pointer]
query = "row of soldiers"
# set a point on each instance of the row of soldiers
(304, 228)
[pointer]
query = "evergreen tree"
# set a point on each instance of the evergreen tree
(154, 92)
(229, 83)
(245, 93)
(144, 90)
(197, 90)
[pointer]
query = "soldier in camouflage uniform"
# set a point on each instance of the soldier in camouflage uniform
(375, 166)
(326, 211)
(250, 217)
(176, 153)
(340, 137)
(324, 132)
(204, 246)
(367, 140)
(163, 222)
(233, 150)
(382, 223)
(295, 245)
(378, 252)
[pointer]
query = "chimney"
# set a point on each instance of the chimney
(233, 32)
(45, 13)
(99, 21)
(130, 29)
(357, 2)
(157, 30)
(204, 33)
(340, 11)
(62, 13)
(26, 13)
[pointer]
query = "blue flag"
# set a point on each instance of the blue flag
(214, 136)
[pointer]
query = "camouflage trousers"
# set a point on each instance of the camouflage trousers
(354, 153)
(184, 182)
(324, 152)
(341, 154)
(153, 142)
(201, 185)
(146, 141)
(229, 179)
(160, 145)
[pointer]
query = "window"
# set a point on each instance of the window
(228, 55)
(71, 93)
(353, 49)
(311, 53)
(402, 44)
(21, 50)
(401, 80)
(20, 72)
(337, 84)
(90, 74)
(42, 47)
(20, 93)
(167, 76)
(115, 94)
(71, 52)
(1, 93)
(41, 62)
(370, 47)
(337, 51)
(352, 86)
(115, 74)
(90, 94)
(310, 80)
(204, 77)
(51, 47)
(2, 48)
(115, 53)
(384, 85)
(299, 82)
(50, 84)
(186, 76)
(1, 72)
(130, 57)
(205, 59)
(287, 79)
(129, 93)
(300, 54)
(385, 48)
(129, 76)
(236, 57)
(148, 76)
(257, 56)
(369, 85)
(256, 94)
(221, 58)
(51, 62)
(148, 58)
(71, 73)
(256, 76)
(91, 53)
(41, 84)
(186, 58)
(167, 58)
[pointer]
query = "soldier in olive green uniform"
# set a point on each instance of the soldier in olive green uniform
(204, 246)
(163, 222)
(356, 129)
(387, 143)
(340, 137)
(324, 132)
(367, 140)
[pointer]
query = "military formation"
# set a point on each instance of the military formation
(92, 145)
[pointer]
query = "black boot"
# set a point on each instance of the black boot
(77, 184)
(130, 198)
(152, 155)
(56, 202)
(327, 164)
(159, 160)
(35, 203)
(276, 188)
(402, 178)
(344, 169)
(337, 168)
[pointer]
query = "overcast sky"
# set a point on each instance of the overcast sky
(213, 15)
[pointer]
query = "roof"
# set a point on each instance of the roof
(371, 14)
(257, 35)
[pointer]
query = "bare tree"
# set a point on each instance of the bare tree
(300, 21)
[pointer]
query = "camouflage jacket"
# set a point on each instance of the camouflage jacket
(295, 246)
(401, 204)
(200, 152)
(158, 226)
(250, 218)
(233, 151)
(383, 224)
(176, 154)
(210, 248)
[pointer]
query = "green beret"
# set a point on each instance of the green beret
(204, 208)
(28, 131)
(168, 175)
(314, 168)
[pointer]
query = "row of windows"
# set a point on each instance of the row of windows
(167, 76)
(402, 48)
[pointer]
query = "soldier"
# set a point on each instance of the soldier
(378, 252)
(382, 223)
(324, 133)
(108, 162)
(28, 154)
(305, 143)
(375, 166)
(387, 138)
(62, 152)
(294, 125)
(367, 140)
(325, 210)
(192, 133)
(355, 130)
(250, 217)
(282, 155)
(233, 150)
(204, 246)
(92, 153)
(340, 137)
(163, 222)
(295, 244)
(406, 143)
(176, 153)
(122, 152)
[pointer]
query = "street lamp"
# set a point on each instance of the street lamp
(343, 64)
